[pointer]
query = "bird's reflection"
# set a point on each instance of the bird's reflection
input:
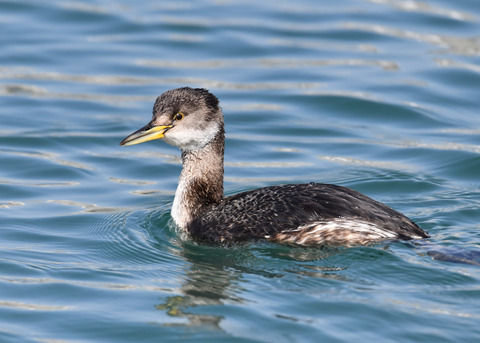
(215, 277)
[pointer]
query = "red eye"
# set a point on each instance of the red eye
(178, 116)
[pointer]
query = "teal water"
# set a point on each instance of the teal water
(381, 96)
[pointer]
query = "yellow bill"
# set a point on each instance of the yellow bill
(145, 134)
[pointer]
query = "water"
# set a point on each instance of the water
(381, 96)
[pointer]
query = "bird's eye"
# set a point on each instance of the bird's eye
(178, 116)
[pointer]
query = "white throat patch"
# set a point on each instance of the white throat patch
(190, 139)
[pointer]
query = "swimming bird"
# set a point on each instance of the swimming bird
(311, 214)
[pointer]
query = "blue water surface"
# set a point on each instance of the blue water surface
(382, 96)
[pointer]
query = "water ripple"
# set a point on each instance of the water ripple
(374, 164)
(8, 204)
(53, 157)
(269, 63)
(87, 208)
(86, 284)
(454, 44)
(443, 62)
(424, 7)
(132, 182)
(314, 44)
(37, 183)
(33, 307)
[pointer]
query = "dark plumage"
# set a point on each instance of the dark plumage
(304, 214)
(270, 210)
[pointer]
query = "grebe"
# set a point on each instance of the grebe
(312, 214)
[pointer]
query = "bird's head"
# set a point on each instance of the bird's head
(187, 118)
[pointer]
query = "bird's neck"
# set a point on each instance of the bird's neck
(201, 181)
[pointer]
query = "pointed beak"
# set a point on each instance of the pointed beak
(146, 133)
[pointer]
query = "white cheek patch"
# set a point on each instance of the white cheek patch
(189, 139)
